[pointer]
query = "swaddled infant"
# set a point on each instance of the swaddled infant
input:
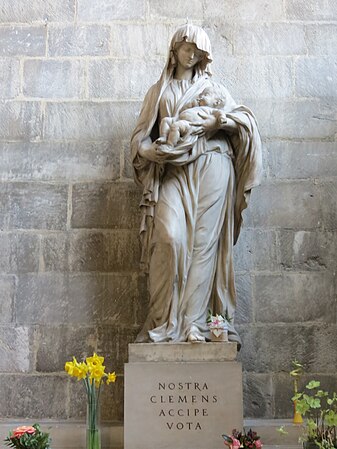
(173, 130)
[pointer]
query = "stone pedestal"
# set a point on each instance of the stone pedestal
(181, 396)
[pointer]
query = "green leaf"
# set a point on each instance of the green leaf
(313, 384)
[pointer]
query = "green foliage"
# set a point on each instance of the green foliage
(37, 440)
(320, 409)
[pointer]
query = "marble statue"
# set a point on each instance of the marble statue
(197, 155)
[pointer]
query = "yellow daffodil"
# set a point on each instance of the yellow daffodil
(97, 373)
(111, 378)
(94, 361)
(69, 367)
(80, 371)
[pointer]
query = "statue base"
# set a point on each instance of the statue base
(181, 396)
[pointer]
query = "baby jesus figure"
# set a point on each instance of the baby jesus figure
(174, 130)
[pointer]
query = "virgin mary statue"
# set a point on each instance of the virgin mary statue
(194, 192)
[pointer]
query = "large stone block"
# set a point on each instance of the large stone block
(22, 40)
(37, 11)
(177, 9)
(140, 40)
(321, 39)
(7, 292)
(270, 39)
(256, 249)
(59, 298)
(9, 78)
(53, 79)
(104, 251)
(42, 299)
(122, 79)
(108, 11)
(15, 349)
(119, 301)
(283, 391)
(244, 300)
(79, 342)
(19, 253)
(316, 77)
(328, 194)
(306, 250)
(35, 206)
(283, 200)
(295, 119)
(237, 11)
(55, 251)
(78, 40)
(20, 120)
(90, 121)
(84, 296)
(301, 159)
(107, 205)
(270, 348)
(325, 342)
(88, 251)
(257, 396)
(295, 298)
(256, 77)
(311, 10)
(220, 33)
(59, 160)
(45, 396)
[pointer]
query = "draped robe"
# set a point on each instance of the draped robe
(191, 213)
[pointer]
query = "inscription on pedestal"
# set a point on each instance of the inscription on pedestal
(181, 405)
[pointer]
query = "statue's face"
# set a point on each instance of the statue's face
(188, 55)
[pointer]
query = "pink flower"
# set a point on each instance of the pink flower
(258, 444)
(236, 444)
(19, 431)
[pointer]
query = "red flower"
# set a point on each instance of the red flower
(19, 431)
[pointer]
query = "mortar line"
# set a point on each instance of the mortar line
(69, 206)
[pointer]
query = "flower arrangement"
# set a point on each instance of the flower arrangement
(218, 326)
(320, 410)
(237, 440)
(92, 372)
(28, 437)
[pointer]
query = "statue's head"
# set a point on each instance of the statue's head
(194, 36)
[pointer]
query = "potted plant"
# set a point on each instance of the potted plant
(249, 440)
(218, 326)
(320, 410)
(28, 437)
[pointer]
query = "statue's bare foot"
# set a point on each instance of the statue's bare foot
(195, 336)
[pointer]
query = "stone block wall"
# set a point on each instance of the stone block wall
(73, 74)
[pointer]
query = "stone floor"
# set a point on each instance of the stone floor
(71, 434)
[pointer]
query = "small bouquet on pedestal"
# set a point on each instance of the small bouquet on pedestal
(92, 372)
(243, 440)
(28, 437)
(218, 326)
